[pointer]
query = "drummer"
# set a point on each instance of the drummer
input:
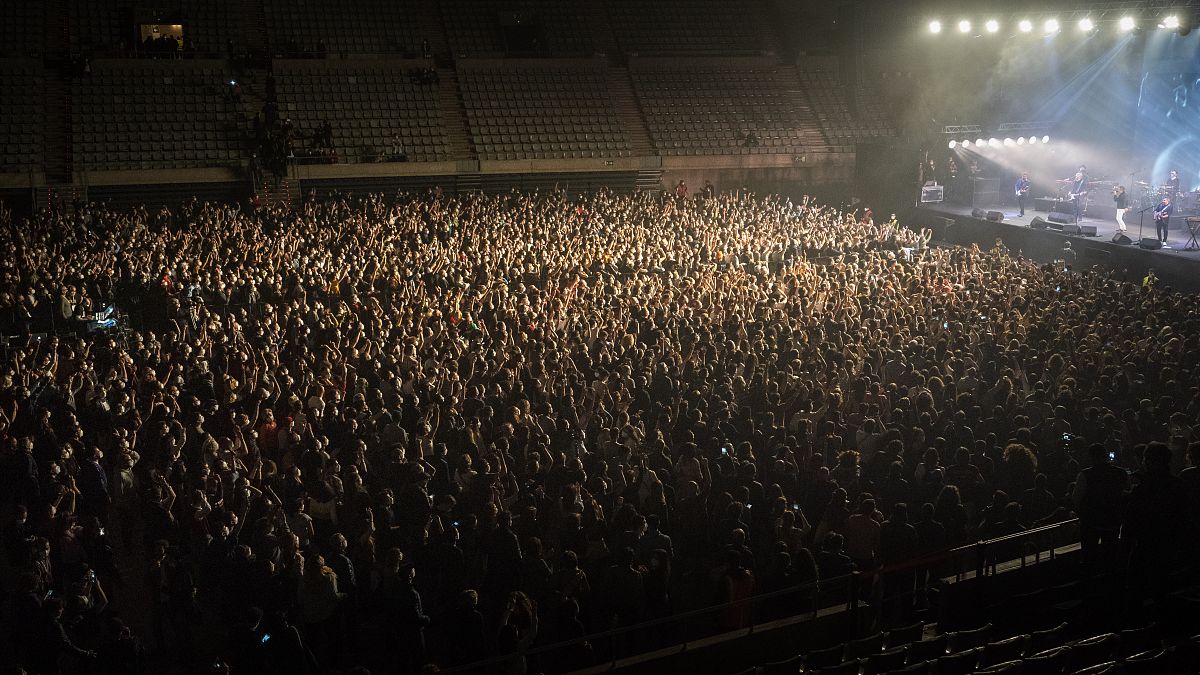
(1171, 187)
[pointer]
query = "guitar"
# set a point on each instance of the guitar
(1162, 215)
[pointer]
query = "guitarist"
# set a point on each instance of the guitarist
(1079, 190)
(1162, 218)
(1021, 188)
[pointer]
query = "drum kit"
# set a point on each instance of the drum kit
(1146, 194)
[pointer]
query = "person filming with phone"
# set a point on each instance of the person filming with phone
(1098, 496)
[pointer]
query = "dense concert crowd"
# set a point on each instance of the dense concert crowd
(427, 429)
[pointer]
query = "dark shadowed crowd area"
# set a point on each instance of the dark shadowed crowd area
(406, 433)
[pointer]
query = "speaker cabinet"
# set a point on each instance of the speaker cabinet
(1120, 238)
(1150, 244)
(1060, 218)
(1038, 223)
(1071, 228)
(978, 213)
(995, 216)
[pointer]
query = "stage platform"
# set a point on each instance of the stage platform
(1175, 266)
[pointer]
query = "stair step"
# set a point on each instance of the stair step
(454, 116)
(620, 87)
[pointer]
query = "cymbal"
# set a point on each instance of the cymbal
(1142, 183)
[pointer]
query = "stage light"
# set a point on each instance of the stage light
(953, 144)
(1126, 23)
(1086, 25)
(1171, 22)
(1045, 139)
(1008, 142)
(993, 142)
(1033, 140)
(966, 142)
(1020, 140)
(1026, 26)
(964, 26)
(935, 27)
(980, 142)
(992, 25)
(1051, 26)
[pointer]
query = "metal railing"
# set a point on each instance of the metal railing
(867, 597)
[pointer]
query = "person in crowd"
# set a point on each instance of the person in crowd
(1099, 498)
(358, 413)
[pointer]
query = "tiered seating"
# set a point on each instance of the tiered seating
(541, 111)
(825, 89)
(345, 26)
(476, 26)
(716, 107)
(675, 26)
(22, 28)
(368, 103)
(907, 651)
(155, 115)
(21, 132)
(208, 25)
(100, 25)
(211, 25)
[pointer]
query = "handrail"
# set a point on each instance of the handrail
(850, 580)
(1015, 535)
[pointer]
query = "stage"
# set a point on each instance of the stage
(1172, 264)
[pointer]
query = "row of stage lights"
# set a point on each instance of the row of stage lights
(998, 143)
(1052, 26)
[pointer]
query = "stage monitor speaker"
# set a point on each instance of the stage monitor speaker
(1037, 223)
(1150, 244)
(1071, 228)
(1060, 218)
(1087, 230)
(978, 213)
(1120, 238)
(995, 216)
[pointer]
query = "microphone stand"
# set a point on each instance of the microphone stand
(1142, 221)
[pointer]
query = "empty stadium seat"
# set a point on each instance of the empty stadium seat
(1001, 651)
(1148, 663)
(21, 134)
(904, 635)
(369, 104)
(882, 662)
(155, 115)
(1049, 662)
(964, 640)
(842, 122)
(475, 27)
(344, 26)
(961, 663)
(1042, 640)
(532, 111)
(927, 650)
(863, 647)
(824, 658)
(1006, 668)
(717, 107)
(1093, 650)
(685, 26)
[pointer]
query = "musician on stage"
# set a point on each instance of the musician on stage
(1162, 218)
(1079, 190)
(1122, 201)
(1171, 187)
(1021, 188)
